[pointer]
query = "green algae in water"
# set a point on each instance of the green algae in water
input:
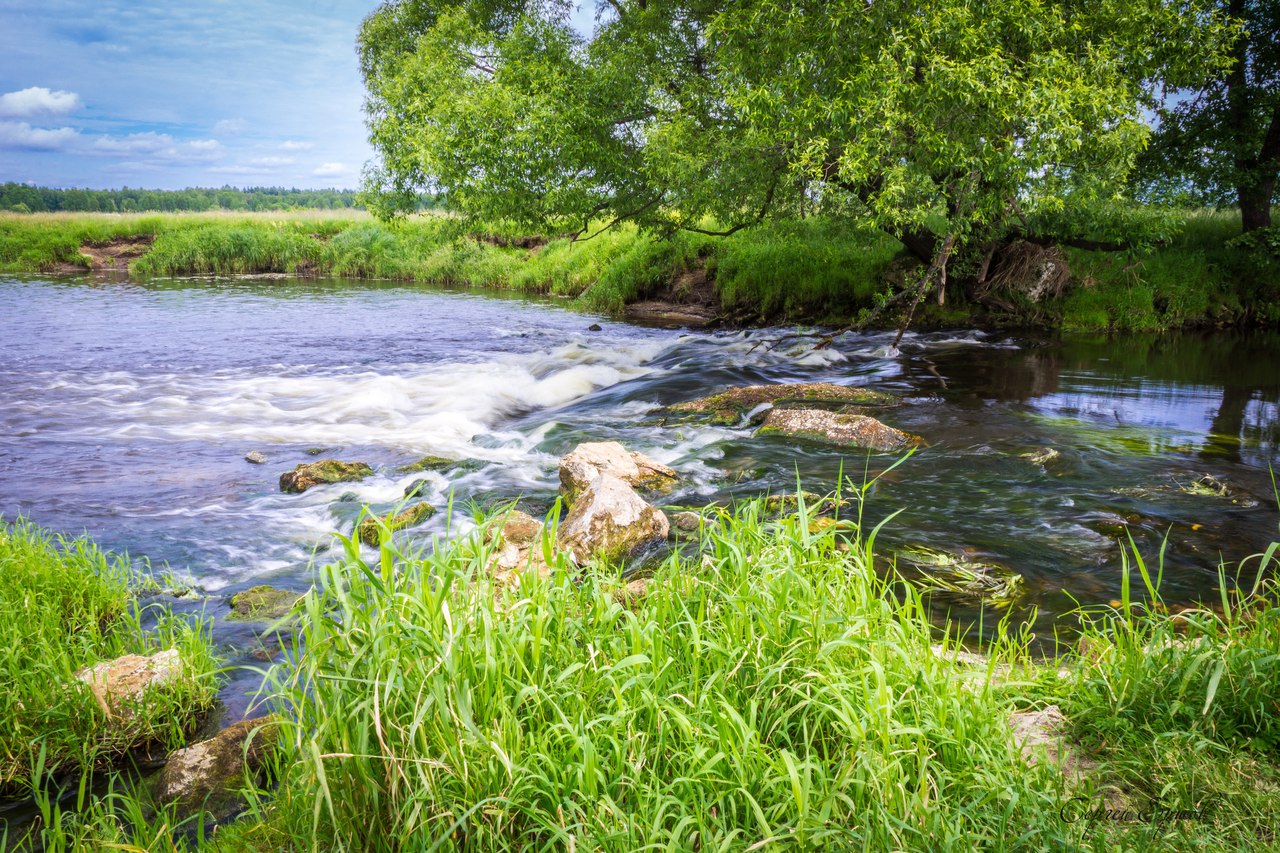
(948, 572)
(1204, 486)
(1115, 438)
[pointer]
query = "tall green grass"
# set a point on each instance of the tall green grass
(815, 268)
(1184, 273)
(771, 693)
(64, 605)
(1183, 708)
(1193, 277)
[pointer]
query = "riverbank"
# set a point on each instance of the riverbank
(768, 686)
(815, 271)
(97, 672)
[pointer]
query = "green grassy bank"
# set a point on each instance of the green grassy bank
(772, 692)
(65, 606)
(817, 270)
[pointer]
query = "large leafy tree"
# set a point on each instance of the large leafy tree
(1220, 143)
(945, 122)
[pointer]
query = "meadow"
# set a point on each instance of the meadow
(817, 270)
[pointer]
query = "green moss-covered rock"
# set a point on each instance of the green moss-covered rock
(441, 464)
(729, 407)
(322, 473)
(788, 503)
(370, 532)
(843, 430)
(262, 604)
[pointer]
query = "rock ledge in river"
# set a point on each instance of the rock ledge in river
(322, 473)
(729, 407)
(853, 431)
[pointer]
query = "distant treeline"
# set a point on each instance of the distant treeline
(22, 198)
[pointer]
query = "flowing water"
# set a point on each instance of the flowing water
(126, 410)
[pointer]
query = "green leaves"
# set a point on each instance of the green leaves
(935, 118)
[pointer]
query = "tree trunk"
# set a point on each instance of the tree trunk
(1255, 204)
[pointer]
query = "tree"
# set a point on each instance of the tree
(1220, 143)
(941, 121)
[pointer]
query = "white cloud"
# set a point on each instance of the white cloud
(291, 145)
(241, 169)
(272, 161)
(36, 101)
(230, 125)
(19, 134)
(329, 170)
(160, 147)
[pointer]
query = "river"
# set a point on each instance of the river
(127, 408)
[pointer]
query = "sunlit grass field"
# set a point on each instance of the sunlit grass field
(817, 270)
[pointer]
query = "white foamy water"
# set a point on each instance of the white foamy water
(433, 408)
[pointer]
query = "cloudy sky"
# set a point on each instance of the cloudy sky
(167, 94)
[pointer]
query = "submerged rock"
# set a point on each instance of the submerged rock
(1043, 456)
(371, 533)
(262, 604)
(941, 570)
(417, 488)
(609, 520)
(1206, 485)
(192, 774)
(257, 457)
(844, 430)
(322, 473)
(440, 463)
(121, 685)
(729, 407)
(1210, 486)
(587, 461)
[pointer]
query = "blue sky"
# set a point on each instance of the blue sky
(174, 94)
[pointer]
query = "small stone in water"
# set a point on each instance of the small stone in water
(687, 521)
(257, 457)
(595, 327)
(262, 604)
(417, 488)
(315, 451)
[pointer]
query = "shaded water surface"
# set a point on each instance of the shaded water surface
(126, 410)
